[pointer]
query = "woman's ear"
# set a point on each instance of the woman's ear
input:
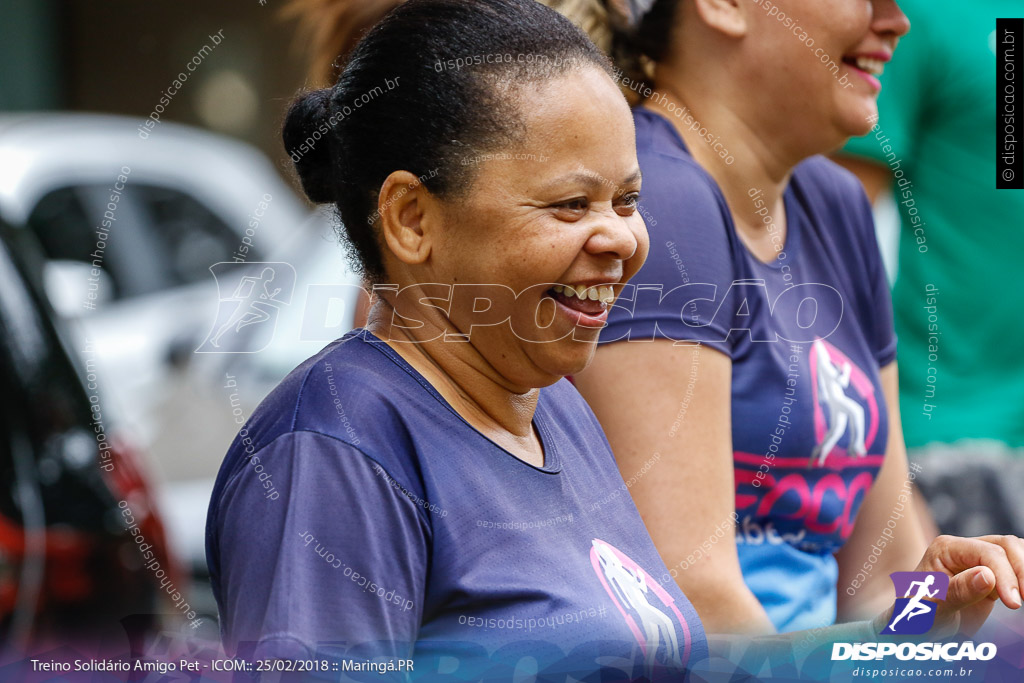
(403, 205)
(728, 17)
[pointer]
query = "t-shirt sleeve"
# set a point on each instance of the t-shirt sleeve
(683, 291)
(337, 561)
(877, 316)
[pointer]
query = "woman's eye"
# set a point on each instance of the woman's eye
(578, 204)
(572, 209)
(629, 202)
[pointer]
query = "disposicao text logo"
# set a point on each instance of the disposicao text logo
(914, 614)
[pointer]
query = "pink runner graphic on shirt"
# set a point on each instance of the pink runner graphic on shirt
(629, 587)
(832, 374)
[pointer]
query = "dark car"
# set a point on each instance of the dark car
(72, 570)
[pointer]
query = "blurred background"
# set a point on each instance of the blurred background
(139, 146)
(116, 57)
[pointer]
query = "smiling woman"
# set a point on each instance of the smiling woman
(788, 421)
(493, 279)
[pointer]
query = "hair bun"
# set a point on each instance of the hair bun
(306, 132)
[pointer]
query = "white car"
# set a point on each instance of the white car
(154, 214)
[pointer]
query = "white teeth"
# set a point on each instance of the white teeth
(872, 66)
(605, 295)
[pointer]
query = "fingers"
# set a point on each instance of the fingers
(968, 587)
(974, 587)
(955, 555)
(1014, 549)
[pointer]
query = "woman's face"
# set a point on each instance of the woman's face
(559, 208)
(822, 61)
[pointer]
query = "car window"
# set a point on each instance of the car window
(192, 236)
(158, 238)
(61, 225)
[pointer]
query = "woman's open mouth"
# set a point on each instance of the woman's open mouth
(868, 67)
(585, 306)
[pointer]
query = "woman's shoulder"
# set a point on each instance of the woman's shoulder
(351, 405)
(828, 184)
(563, 396)
(570, 416)
(666, 162)
(679, 200)
(352, 391)
(840, 212)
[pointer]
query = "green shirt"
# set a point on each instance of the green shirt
(957, 298)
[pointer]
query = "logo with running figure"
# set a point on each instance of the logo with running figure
(644, 604)
(914, 613)
(250, 298)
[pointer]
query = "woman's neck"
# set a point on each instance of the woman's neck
(752, 162)
(461, 374)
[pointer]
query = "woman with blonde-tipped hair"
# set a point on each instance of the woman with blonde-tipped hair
(329, 29)
(754, 351)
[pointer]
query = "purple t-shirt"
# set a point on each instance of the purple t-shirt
(807, 334)
(357, 515)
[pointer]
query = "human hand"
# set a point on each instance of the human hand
(981, 570)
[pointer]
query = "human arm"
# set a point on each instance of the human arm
(887, 527)
(690, 492)
(981, 571)
(995, 562)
